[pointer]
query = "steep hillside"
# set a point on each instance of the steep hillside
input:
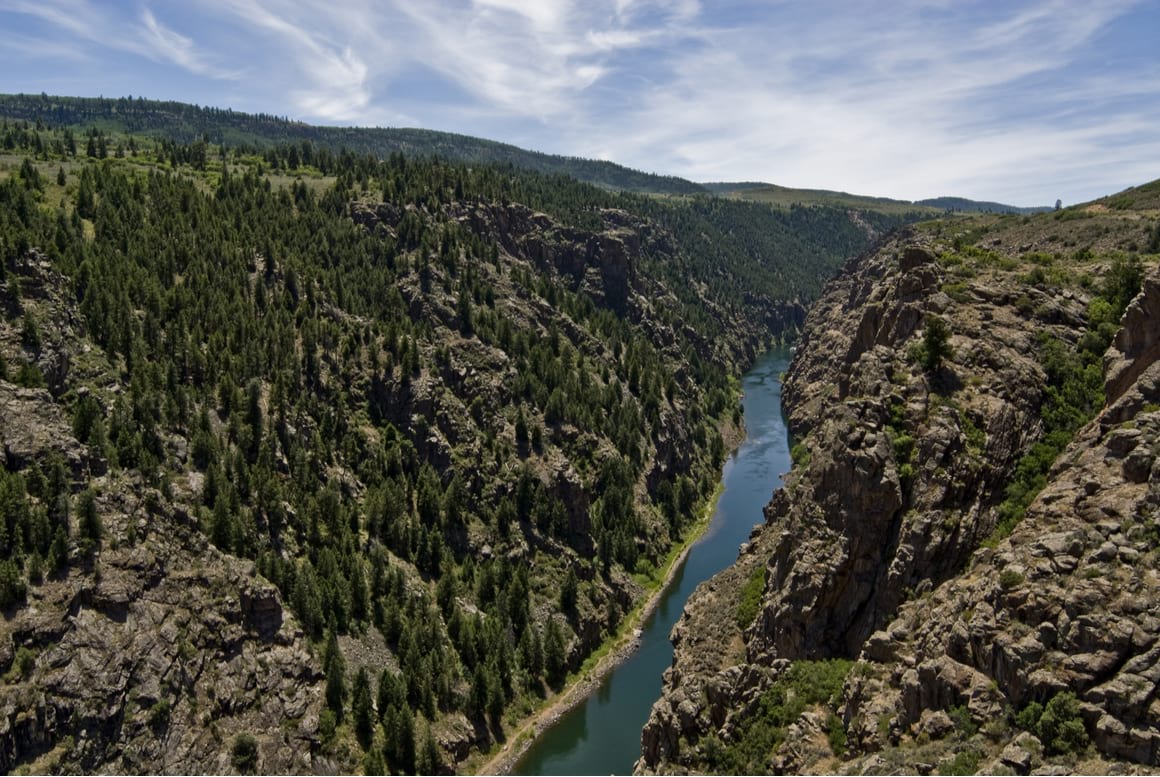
(312, 469)
(934, 570)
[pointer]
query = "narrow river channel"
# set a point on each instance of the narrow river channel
(602, 735)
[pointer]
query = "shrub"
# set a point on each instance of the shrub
(29, 376)
(799, 454)
(244, 754)
(1061, 728)
(836, 734)
(22, 665)
(1009, 579)
(963, 721)
(964, 762)
(1058, 725)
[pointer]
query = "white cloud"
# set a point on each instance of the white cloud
(100, 26)
(910, 98)
(332, 77)
(165, 44)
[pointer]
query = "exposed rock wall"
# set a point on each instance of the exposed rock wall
(154, 656)
(1070, 602)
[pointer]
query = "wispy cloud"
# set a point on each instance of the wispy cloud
(167, 45)
(101, 27)
(911, 103)
(331, 76)
(525, 59)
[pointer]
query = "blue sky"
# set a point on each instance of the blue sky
(1021, 102)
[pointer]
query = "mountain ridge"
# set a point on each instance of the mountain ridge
(185, 123)
(934, 206)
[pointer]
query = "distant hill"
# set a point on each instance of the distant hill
(962, 205)
(185, 123)
(731, 187)
(784, 196)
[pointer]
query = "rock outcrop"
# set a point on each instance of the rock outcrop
(154, 653)
(1070, 602)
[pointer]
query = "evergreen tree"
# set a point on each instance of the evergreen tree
(89, 525)
(12, 587)
(532, 654)
(334, 667)
(430, 759)
(374, 763)
(555, 659)
(935, 343)
(568, 592)
(361, 709)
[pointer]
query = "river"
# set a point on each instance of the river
(602, 734)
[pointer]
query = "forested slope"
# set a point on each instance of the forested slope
(184, 123)
(318, 461)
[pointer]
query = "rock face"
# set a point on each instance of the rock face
(158, 651)
(1070, 600)
(905, 470)
(874, 547)
(159, 664)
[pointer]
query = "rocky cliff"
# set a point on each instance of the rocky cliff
(889, 541)
(149, 651)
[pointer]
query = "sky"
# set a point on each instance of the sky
(1020, 102)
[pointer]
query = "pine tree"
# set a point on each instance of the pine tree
(555, 660)
(361, 709)
(12, 587)
(568, 592)
(430, 759)
(532, 654)
(373, 762)
(334, 666)
(936, 343)
(89, 520)
(390, 694)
